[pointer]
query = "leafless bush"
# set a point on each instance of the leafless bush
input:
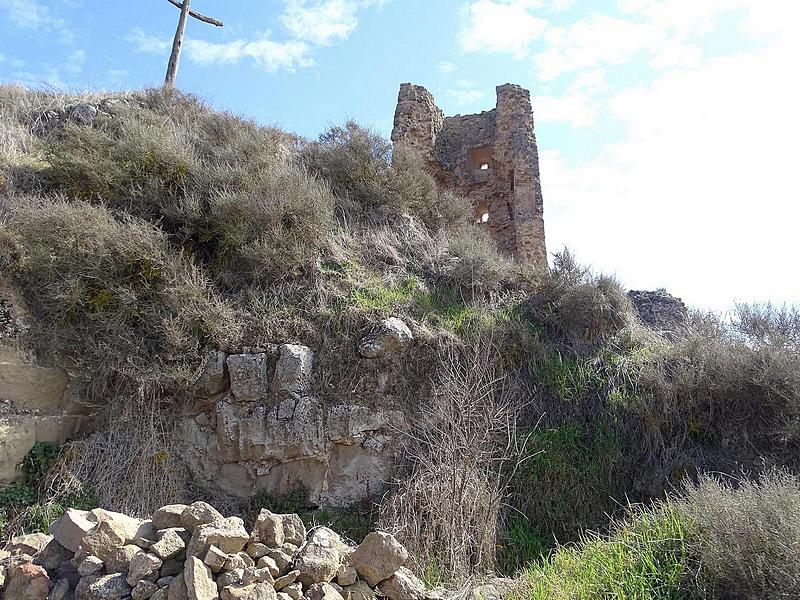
(447, 509)
(131, 465)
(745, 535)
(768, 325)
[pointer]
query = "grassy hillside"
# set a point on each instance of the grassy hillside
(158, 227)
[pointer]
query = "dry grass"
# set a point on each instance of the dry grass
(744, 535)
(447, 508)
(131, 464)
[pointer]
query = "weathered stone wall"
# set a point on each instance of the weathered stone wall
(491, 158)
(258, 426)
(37, 403)
(255, 425)
(659, 309)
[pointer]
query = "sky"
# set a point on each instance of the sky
(667, 129)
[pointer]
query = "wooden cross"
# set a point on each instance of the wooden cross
(175, 57)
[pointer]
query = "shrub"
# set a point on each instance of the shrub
(414, 190)
(354, 160)
(581, 309)
(643, 559)
(276, 229)
(472, 267)
(368, 178)
(744, 535)
(111, 296)
(446, 510)
(136, 166)
(768, 325)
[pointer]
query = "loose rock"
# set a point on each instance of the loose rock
(323, 591)
(286, 580)
(119, 560)
(169, 545)
(144, 590)
(378, 557)
(143, 566)
(390, 337)
(104, 538)
(319, 560)
(168, 516)
(199, 513)
(229, 535)
(268, 529)
(90, 565)
(70, 529)
(107, 587)
(403, 585)
(199, 582)
(26, 581)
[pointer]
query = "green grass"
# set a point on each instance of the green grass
(567, 377)
(375, 295)
(522, 545)
(23, 502)
(563, 486)
(645, 559)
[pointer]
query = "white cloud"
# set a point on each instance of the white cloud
(700, 196)
(446, 67)
(593, 41)
(35, 16)
(501, 26)
(29, 14)
(576, 110)
(323, 22)
(149, 44)
(579, 106)
(464, 97)
(269, 54)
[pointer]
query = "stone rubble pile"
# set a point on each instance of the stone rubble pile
(659, 309)
(195, 553)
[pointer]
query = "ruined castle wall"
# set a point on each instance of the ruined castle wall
(459, 134)
(417, 120)
(490, 158)
(516, 152)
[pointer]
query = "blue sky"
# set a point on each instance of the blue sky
(667, 128)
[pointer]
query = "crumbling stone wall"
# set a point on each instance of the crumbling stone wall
(37, 403)
(659, 309)
(258, 425)
(491, 158)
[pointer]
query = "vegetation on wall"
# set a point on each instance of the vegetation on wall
(164, 227)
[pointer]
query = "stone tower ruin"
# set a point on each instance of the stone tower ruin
(490, 158)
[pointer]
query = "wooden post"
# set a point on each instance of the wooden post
(177, 44)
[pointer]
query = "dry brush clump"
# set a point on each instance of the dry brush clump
(717, 539)
(448, 506)
(744, 535)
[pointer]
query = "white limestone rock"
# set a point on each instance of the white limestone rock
(390, 337)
